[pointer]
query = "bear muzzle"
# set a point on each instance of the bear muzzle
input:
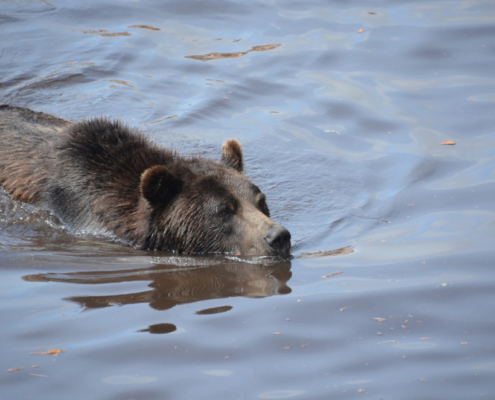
(277, 240)
(262, 236)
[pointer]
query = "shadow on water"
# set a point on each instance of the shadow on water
(171, 285)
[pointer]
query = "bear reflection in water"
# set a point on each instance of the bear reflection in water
(172, 285)
(103, 177)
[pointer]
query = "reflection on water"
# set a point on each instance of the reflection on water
(160, 328)
(214, 310)
(171, 285)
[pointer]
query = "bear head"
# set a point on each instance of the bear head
(200, 206)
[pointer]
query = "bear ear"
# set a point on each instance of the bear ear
(232, 155)
(159, 185)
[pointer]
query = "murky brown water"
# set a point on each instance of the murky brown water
(341, 130)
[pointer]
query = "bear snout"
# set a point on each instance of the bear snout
(277, 240)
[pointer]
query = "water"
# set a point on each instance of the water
(340, 129)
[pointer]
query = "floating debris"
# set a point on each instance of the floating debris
(104, 32)
(41, 376)
(164, 119)
(329, 253)
(15, 369)
(151, 28)
(335, 273)
(54, 352)
(216, 56)
(120, 82)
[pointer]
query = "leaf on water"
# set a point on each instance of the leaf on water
(360, 31)
(104, 32)
(15, 369)
(277, 333)
(164, 119)
(425, 338)
(379, 319)
(337, 252)
(335, 273)
(98, 32)
(265, 47)
(422, 380)
(152, 28)
(463, 342)
(120, 82)
(215, 56)
(41, 376)
(448, 142)
(54, 352)
(115, 34)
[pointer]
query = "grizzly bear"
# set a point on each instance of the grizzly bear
(103, 177)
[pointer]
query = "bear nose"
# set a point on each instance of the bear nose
(277, 239)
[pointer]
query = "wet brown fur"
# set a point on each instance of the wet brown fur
(232, 155)
(104, 177)
(24, 157)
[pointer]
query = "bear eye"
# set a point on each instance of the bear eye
(261, 203)
(226, 212)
